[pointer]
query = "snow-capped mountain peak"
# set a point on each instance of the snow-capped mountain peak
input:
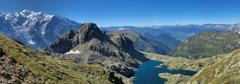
(28, 12)
(37, 29)
(26, 18)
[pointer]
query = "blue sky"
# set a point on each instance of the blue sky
(134, 12)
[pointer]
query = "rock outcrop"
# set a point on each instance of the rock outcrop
(65, 43)
(92, 46)
(142, 43)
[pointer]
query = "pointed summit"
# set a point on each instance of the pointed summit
(26, 10)
(90, 31)
(91, 46)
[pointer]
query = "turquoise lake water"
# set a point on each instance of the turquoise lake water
(148, 73)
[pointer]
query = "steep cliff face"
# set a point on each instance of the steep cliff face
(92, 46)
(142, 43)
(65, 43)
(126, 45)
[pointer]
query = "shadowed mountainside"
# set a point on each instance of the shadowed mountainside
(141, 43)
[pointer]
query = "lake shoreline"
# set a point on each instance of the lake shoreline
(151, 70)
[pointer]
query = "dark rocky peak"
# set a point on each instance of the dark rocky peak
(123, 42)
(70, 35)
(89, 34)
(88, 31)
(90, 39)
(91, 46)
(64, 43)
(126, 46)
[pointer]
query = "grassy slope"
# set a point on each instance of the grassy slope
(220, 69)
(50, 69)
(224, 71)
(207, 45)
(216, 69)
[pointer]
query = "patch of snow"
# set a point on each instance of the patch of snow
(8, 16)
(44, 26)
(31, 42)
(16, 14)
(73, 52)
(26, 10)
(43, 32)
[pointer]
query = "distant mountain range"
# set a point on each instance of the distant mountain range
(38, 30)
(179, 32)
(166, 38)
(208, 44)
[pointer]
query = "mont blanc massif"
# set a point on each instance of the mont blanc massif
(40, 48)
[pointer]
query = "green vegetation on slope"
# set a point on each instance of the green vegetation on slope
(39, 68)
(208, 44)
(217, 69)
(224, 71)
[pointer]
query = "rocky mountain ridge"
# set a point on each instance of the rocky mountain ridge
(141, 43)
(90, 45)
